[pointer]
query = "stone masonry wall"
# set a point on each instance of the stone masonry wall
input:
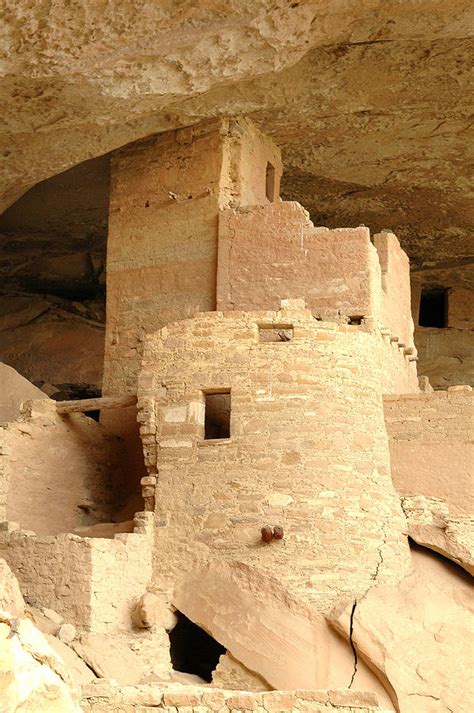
(308, 450)
(165, 197)
(148, 699)
(91, 582)
(337, 272)
(53, 572)
(431, 438)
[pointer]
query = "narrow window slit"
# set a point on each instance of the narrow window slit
(270, 182)
(217, 414)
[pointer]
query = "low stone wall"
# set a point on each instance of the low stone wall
(93, 582)
(446, 355)
(431, 445)
(101, 698)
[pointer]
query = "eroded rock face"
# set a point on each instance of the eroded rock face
(232, 674)
(32, 676)
(417, 636)
(15, 390)
(430, 524)
(315, 76)
(49, 341)
(11, 599)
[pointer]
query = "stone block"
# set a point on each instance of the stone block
(353, 699)
(274, 701)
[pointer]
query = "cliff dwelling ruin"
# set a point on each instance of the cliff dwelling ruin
(236, 427)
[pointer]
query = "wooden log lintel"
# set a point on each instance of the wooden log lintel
(102, 402)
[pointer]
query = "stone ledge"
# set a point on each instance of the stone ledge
(104, 698)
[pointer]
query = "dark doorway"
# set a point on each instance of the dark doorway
(433, 307)
(193, 650)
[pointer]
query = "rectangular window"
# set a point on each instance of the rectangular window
(433, 307)
(270, 182)
(217, 414)
(275, 332)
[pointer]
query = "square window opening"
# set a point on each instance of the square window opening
(217, 406)
(356, 319)
(275, 333)
(270, 182)
(433, 307)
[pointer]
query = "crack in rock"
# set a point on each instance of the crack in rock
(351, 629)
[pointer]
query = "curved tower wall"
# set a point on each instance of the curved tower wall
(307, 450)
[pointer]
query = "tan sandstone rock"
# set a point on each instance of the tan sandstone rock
(153, 610)
(10, 596)
(110, 658)
(232, 674)
(418, 636)
(15, 390)
(430, 525)
(32, 676)
(78, 670)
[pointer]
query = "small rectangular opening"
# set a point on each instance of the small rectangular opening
(217, 415)
(275, 333)
(356, 319)
(270, 182)
(433, 307)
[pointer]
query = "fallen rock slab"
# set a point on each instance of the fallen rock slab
(431, 525)
(418, 636)
(32, 676)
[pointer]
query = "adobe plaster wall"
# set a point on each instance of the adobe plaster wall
(273, 252)
(431, 445)
(308, 450)
(59, 473)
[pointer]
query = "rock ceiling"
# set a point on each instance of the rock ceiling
(368, 100)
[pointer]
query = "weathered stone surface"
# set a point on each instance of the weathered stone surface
(67, 633)
(418, 636)
(57, 346)
(110, 658)
(11, 599)
(32, 676)
(15, 390)
(308, 74)
(153, 610)
(431, 438)
(232, 674)
(80, 673)
(430, 525)
(47, 626)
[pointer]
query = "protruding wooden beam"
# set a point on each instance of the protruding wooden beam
(83, 405)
